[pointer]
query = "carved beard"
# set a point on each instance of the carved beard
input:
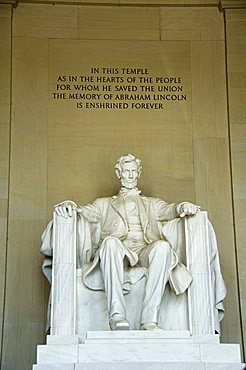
(128, 185)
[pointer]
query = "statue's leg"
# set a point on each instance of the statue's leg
(157, 258)
(112, 254)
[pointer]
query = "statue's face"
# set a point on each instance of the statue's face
(129, 175)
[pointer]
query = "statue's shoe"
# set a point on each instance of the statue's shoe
(119, 324)
(150, 326)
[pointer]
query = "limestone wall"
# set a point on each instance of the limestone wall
(5, 78)
(59, 151)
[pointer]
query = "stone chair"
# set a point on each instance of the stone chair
(76, 309)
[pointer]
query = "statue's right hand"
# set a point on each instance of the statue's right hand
(65, 209)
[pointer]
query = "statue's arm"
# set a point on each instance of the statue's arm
(91, 212)
(166, 212)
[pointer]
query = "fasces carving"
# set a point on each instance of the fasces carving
(63, 315)
(128, 237)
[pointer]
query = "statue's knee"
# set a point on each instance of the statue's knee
(161, 248)
(111, 245)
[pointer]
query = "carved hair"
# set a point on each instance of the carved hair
(126, 159)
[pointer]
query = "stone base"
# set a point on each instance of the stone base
(126, 350)
(142, 366)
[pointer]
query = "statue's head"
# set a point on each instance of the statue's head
(128, 169)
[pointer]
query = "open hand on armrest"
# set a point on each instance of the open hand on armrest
(65, 209)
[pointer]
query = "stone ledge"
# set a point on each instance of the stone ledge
(58, 353)
(128, 352)
(232, 4)
(138, 334)
(135, 3)
(62, 339)
(141, 366)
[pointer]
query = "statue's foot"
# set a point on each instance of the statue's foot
(150, 326)
(119, 324)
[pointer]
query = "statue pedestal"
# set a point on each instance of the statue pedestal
(77, 309)
(137, 350)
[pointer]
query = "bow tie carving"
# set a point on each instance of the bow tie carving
(127, 192)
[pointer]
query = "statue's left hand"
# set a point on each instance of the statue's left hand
(187, 209)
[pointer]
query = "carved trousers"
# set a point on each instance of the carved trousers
(155, 256)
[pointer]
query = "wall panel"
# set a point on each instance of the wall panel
(236, 55)
(25, 310)
(119, 23)
(5, 101)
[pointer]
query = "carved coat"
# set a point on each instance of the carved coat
(153, 212)
(112, 223)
